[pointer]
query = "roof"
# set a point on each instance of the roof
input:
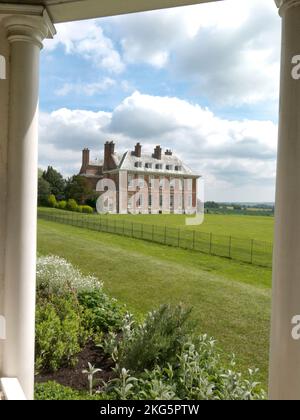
(172, 161)
(126, 162)
(70, 10)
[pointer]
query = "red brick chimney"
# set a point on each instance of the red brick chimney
(109, 150)
(138, 150)
(157, 153)
(85, 160)
(168, 152)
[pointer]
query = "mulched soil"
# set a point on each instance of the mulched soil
(73, 376)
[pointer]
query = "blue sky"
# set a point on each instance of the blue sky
(202, 80)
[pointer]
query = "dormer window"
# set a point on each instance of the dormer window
(138, 164)
(148, 165)
(169, 167)
(177, 168)
(158, 166)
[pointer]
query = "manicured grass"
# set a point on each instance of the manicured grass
(231, 300)
(240, 226)
(259, 228)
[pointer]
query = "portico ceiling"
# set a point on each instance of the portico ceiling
(69, 10)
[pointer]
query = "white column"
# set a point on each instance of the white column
(285, 349)
(25, 35)
(4, 88)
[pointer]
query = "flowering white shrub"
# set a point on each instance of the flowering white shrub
(57, 276)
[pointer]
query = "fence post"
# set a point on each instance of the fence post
(178, 237)
(210, 243)
(142, 231)
(252, 246)
(132, 229)
(123, 227)
(115, 225)
(229, 250)
(165, 234)
(152, 233)
(194, 233)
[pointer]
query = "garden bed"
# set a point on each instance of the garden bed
(160, 358)
(73, 376)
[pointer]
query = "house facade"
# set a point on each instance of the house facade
(145, 183)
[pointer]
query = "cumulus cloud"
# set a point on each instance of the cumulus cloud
(228, 51)
(86, 39)
(230, 154)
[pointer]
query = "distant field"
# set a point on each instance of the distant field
(231, 300)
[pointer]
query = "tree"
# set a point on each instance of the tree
(211, 205)
(78, 188)
(56, 181)
(44, 191)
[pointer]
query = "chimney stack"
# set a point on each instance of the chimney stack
(85, 159)
(138, 150)
(157, 153)
(168, 152)
(109, 150)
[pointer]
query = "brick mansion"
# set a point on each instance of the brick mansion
(136, 182)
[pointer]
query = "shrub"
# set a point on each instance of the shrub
(57, 276)
(62, 205)
(52, 201)
(59, 332)
(197, 375)
(52, 391)
(102, 313)
(157, 341)
(87, 210)
(72, 205)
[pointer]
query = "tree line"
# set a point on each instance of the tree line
(66, 193)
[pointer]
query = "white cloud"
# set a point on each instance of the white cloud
(234, 156)
(227, 51)
(86, 89)
(86, 39)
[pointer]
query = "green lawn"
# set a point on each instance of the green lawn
(254, 227)
(231, 300)
(259, 228)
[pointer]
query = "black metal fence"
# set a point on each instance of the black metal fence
(246, 250)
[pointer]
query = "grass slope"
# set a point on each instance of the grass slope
(231, 301)
(259, 228)
(240, 226)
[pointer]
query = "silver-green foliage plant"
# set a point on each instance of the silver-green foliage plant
(91, 372)
(57, 276)
(193, 370)
(156, 341)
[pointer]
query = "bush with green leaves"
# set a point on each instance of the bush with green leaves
(52, 391)
(62, 205)
(72, 205)
(198, 374)
(157, 341)
(52, 202)
(87, 209)
(102, 312)
(59, 332)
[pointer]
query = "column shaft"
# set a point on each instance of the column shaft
(285, 350)
(25, 35)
